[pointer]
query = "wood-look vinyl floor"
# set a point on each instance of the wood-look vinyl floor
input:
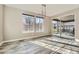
(43, 45)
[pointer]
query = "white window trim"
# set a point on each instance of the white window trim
(34, 30)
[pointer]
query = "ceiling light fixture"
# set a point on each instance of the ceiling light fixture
(44, 10)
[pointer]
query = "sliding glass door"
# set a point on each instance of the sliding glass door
(64, 28)
(68, 29)
(56, 27)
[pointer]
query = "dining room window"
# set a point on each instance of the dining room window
(32, 24)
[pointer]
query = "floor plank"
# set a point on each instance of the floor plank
(43, 45)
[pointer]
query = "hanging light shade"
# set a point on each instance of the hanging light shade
(43, 10)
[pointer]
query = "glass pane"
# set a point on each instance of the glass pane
(41, 24)
(37, 24)
(31, 23)
(68, 29)
(56, 27)
(26, 23)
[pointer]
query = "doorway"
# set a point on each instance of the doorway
(64, 27)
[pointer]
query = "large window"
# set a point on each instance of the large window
(32, 24)
(39, 24)
(28, 23)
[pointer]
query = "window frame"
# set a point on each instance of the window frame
(33, 18)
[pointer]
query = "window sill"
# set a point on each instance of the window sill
(27, 32)
(32, 32)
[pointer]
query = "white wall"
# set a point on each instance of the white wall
(77, 24)
(13, 25)
(1, 23)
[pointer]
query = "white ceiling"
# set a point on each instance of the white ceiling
(52, 9)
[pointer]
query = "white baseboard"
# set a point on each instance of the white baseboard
(1, 43)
